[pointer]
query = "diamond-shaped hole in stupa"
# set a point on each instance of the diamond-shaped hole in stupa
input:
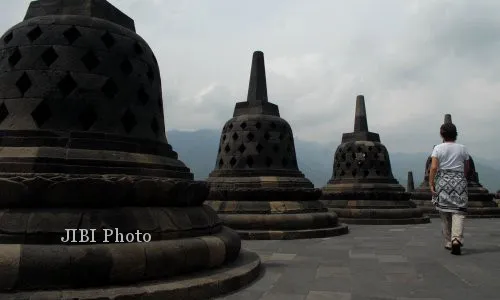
(261, 193)
(373, 197)
(95, 159)
(481, 202)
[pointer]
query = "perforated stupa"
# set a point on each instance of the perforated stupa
(256, 186)
(83, 146)
(363, 189)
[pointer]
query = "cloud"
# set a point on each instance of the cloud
(210, 105)
(414, 61)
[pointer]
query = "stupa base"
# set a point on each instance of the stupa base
(476, 209)
(199, 285)
(482, 203)
(380, 216)
(278, 220)
(382, 204)
(483, 212)
(291, 234)
(189, 254)
(375, 221)
(427, 208)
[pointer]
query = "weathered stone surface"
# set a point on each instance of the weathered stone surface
(10, 255)
(83, 147)
(197, 286)
(362, 188)
(481, 201)
(256, 186)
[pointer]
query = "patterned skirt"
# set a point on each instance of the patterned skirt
(451, 191)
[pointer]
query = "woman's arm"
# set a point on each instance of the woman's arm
(466, 167)
(466, 162)
(432, 173)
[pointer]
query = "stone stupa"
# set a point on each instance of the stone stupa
(362, 189)
(481, 203)
(256, 186)
(84, 147)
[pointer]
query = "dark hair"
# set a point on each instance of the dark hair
(448, 132)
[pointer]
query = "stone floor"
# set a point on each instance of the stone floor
(380, 263)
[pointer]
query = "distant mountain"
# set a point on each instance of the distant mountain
(198, 149)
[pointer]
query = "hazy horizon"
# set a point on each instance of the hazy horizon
(315, 160)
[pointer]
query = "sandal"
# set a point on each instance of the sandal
(447, 246)
(456, 247)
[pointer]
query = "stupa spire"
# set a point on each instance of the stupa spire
(410, 185)
(257, 101)
(360, 121)
(447, 119)
(257, 88)
(360, 132)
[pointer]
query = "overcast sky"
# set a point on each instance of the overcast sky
(413, 60)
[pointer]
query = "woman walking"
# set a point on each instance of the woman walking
(448, 183)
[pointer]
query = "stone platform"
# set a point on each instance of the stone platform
(391, 262)
(278, 220)
(200, 285)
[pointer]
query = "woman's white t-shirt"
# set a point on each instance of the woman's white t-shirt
(451, 156)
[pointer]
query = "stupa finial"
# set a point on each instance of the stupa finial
(360, 121)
